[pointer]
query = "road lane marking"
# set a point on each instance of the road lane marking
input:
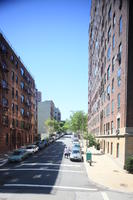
(50, 186)
(104, 195)
(41, 169)
(54, 164)
(48, 156)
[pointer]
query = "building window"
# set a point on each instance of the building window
(118, 123)
(107, 110)
(7, 139)
(13, 123)
(22, 124)
(119, 53)
(5, 120)
(108, 148)
(12, 75)
(108, 92)
(104, 129)
(113, 85)
(16, 109)
(22, 85)
(16, 94)
(111, 148)
(105, 78)
(118, 101)
(113, 63)
(22, 71)
(119, 77)
(112, 127)
(117, 150)
(22, 98)
(113, 41)
(16, 123)
(108, 73)
(114, 20)
(22, 111)
(109, 14)
(12, 58)
(4, 102)
(4, 84)
(120, 25)
(108, 54)
(112, 106)
(16, 64)
(120, 5)
(107, 128)
(17, 79)
(12, 92)
(109, 33)
(13, 107)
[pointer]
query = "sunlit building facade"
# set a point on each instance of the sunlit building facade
(110, 71)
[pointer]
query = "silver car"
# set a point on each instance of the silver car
(76, 155)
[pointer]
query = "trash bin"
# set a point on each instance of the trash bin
(89, 156)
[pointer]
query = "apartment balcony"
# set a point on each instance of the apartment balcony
(5, 87)
(4, 68)
(5, 107)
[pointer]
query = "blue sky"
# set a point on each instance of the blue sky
(51, 37)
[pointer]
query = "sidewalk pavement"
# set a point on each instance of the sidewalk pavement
(104, 171)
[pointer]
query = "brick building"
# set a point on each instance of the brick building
(110, 71)
(18, 109)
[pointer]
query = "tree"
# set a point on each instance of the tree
(55, 126)
(50, 125)
(78, 122)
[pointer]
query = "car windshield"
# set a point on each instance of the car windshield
(17, 153)
(75, 151)
(29, 147)
(76, 145)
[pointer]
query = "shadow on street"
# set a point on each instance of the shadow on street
(41, 169)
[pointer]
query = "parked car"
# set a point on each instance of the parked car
(76, 155)
(18, 155)
(76, 145)
(32, 148)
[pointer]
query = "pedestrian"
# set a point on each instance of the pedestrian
(66, 152)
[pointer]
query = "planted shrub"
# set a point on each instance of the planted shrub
(129, 164)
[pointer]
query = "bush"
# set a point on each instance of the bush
(129, 164)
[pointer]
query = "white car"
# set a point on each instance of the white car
(32, 149)
(76, 155)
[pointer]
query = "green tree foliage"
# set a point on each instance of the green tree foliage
(50, 125)
(55, 126)
(78, 122)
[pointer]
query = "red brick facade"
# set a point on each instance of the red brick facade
(17, 101)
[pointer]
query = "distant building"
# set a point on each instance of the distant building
(39, 96)
(57, 114)
(18, 109)
(110, 77)
(46, 110)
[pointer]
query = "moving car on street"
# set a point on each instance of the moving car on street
(18, 155)
(32, 148)
(76, 155)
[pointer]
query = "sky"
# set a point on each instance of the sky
(51, 38)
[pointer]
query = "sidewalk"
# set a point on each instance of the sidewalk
(104, 171)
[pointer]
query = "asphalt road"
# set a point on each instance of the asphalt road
(48, 175)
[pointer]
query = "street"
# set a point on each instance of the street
(48, 175)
